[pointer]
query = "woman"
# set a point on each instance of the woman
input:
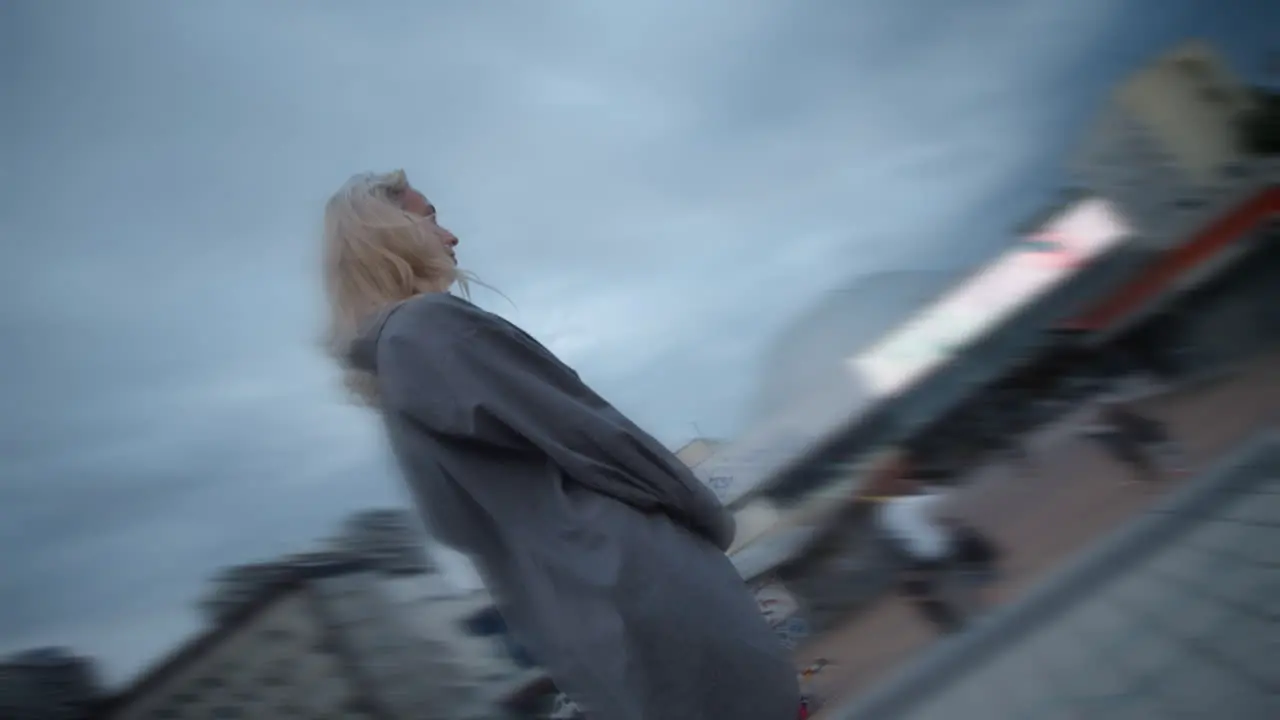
(604, 552)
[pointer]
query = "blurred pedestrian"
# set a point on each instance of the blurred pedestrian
(912, 521)
(1139, 442)
(978, 557)
(604, 552)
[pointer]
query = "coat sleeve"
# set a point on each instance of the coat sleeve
(465, 373)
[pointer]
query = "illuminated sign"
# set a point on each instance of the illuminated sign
(1040, 262)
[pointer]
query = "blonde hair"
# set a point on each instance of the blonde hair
(377, 254)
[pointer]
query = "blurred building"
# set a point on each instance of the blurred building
(389, 607)
(805, 386)
(805, 357)
(390, 541)
(1170, 146)
(48, 684)
(326, 639)
(1160, 261)
(1168, 141)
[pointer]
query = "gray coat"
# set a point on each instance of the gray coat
(603, 551)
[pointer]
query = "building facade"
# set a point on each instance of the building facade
(233, 588)
(328, 641)
(1170, 147)
(277, 655)
(1168, 141)
(392, 539)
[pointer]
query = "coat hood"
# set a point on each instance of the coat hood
(362, 351)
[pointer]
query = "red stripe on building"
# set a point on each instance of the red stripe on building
(1165, 272)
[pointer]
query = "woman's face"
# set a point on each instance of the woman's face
(416, 203)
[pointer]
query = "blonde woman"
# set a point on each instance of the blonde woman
(603, 551)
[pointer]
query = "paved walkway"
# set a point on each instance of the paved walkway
(1076, 494)
(1175, 616)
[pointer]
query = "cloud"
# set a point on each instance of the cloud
(660, 188)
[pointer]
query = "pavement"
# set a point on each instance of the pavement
(1072, 496)
(1177, 615)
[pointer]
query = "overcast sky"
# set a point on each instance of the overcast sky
(659, 186)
